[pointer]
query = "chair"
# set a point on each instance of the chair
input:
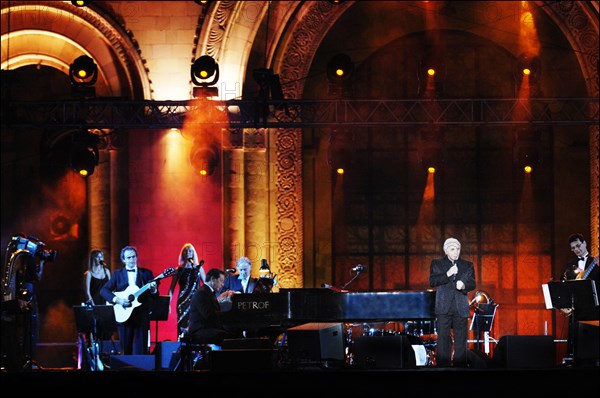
(193, 354)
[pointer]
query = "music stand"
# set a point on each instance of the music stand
(95, 320)
(159, 311)
(573, 294)
(482, 321)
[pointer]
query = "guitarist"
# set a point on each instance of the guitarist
(582, 266)
(133, 331)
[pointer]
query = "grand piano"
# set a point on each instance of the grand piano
(290, 307)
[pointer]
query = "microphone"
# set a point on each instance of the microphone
(231, 270)
(359, 268)
(102, 263)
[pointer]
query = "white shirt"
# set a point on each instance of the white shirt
(132, 277)
(581, 263)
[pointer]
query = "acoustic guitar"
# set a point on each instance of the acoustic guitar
(132, 293)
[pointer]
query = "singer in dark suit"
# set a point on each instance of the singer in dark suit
(241, 282)
(453, 278)
(133, 332)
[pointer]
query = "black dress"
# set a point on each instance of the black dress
(188, 281)
(95, 286)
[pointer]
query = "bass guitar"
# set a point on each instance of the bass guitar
(132, 293)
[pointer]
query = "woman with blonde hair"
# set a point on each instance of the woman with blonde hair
(189, 276)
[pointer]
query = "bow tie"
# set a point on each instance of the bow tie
(131, 270)
(581, 258)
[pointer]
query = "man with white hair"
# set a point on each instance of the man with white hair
(453, 278)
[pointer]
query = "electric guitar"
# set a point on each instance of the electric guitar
(132, 293)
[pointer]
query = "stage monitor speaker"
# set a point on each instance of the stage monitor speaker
(383, 352)
(132, 362)
(164, 352)
(315, 342)
(478, 360)
(587, 347)
(251, 359)
(525, 352)
(247, 343)
(110, 347)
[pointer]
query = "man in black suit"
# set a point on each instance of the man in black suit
(582, 266)
(453, 278)
(133, 332)
(242, 282)
(206, 324)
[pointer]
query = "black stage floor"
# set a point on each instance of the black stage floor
(309, 381)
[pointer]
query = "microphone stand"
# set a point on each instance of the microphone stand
(358, 272)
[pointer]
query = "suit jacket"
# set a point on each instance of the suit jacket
(120, 282)
(205, 312)
(589, 313)
(446, 291)
(233, 282)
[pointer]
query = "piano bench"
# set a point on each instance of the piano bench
(193, 354)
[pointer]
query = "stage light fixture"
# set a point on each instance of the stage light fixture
(83, 154)
(80, 3)
(83, 72)
(204, 159)
(528, 65)
(340, 68)
(527, 158)
(205, 73)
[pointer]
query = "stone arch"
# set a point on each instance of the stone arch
(96, 33)
(292, 57)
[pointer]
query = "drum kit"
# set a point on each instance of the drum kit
(422, 336)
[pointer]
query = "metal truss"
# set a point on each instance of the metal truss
(238, 114)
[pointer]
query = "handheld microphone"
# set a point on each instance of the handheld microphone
(191, 260)
(231, 270)
(102, 263)
(359, 268)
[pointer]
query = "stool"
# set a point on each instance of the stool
(191, 351)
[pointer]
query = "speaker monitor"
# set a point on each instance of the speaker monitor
(132, 362)
(525, 352)
(164, 352)
(383, 352)
(254, 358)
(587, 344)
(316, 342)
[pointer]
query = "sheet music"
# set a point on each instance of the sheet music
(547, 298)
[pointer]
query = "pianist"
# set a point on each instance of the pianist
(206, 325)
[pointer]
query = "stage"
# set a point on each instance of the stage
(319, 382)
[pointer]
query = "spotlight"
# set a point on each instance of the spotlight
(84, 155)
(431, 72)
(340, 68)
(204, 159)
(528, 65)
(83, 72)
(80, 3)
(203, 69)
(203, 3)
(527, 157)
